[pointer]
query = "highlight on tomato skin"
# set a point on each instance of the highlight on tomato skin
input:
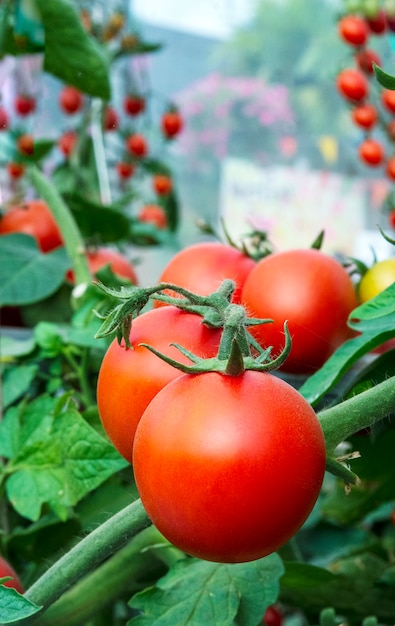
(228, 468)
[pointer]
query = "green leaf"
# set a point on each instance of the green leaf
(14, 606)
(200, 592)
(20, 345)
(27, 274)
(71, 54)
(97, 221)
(385, 80)
(56, 457)
(16, 382)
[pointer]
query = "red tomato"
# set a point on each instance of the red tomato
(364, 115)
(390, 168)
(377, 23)
(202, 267)
(137, 145)
(153, 214)
(71, 100)
(100, 257)
(353, 30)
(391, 218)
(228, 467)
(15, 170)
(67, 142)
(162, 184)
(388, 99)
(7, 570)
(371, 152)
(171, 123)
(129, 379)
(365, 59)
(111, 120)
(125, 169)
(352, 84)
(273, 617)
(310, 290)
(4, 121)
(24, 105)
(134, 104)
(33, 218)
(26, 144)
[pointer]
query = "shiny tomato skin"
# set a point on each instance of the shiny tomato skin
(310, 290)
(202, 267)
(229, 467)
(33, 218)
(6, 569)
(353, 30)
(352, 84)
(130, 378)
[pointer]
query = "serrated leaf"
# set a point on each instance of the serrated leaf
(16, 382)
(386, 80)
(57, 458)
(71, 54)
(198, 592)
(14, 606)
(24, 267)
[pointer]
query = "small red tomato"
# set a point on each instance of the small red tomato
(102, 256)
(390, 168)
(391, 218)
(171, 123)
(388, 99)
(4, 121)
(33, 218)
(26, 144)
(137, 145)
(71, 100)
(153, 214)
(6, 569)
(352, 84)
(134, 104)
(377, 24)
(67, 142)
(364, 115)
(272, 617)
(125, 170)
(391, 130)
(353, 30)
(162, 184)
(15, 170)
(371, 152)
(24, 105)
(111, 119)
(365, 59)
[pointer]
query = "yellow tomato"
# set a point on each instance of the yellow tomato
(380, 276)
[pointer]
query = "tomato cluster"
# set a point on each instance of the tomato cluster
(372, 107)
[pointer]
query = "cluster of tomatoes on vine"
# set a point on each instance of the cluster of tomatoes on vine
(372, 107)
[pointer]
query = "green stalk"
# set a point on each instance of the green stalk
(87, 554)
(343, 420)
(72, 238)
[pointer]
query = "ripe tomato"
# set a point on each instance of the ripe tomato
(390, 168)
(310, 290)
(6, 569)
(4, 121)
(388, 99)
(273, 617)
(24, 105)
(137, 145)
(228, 467)
(26, 144)
(134, 104)
(378, 277)
(391, 218)
(71, 100)
(15, 170)
(202, 267)
(171, 123)
(67, 142)
(162, 184)
(153, 214)
(33, 218)
(371, 152)
(100, 257)
(377, 23)
(364, 115)
(111, 119)
(353, 30)
(352, 84)
(125, 170)
(129, 379)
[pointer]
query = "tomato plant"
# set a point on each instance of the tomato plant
(130, 378)
(201, 267)
(209, 444)
(33, 218)
(309, 289)
(6, 569)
